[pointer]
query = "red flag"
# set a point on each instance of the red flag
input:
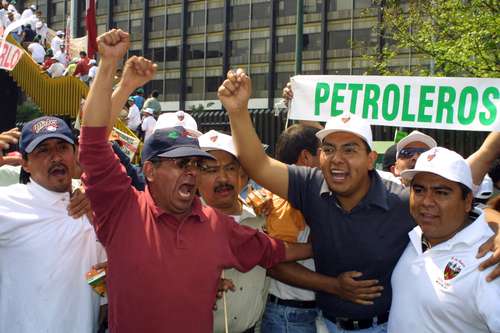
(91, 25)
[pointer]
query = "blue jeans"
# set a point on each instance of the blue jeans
(286, 319)
(333, 328)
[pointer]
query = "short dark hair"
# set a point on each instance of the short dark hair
(24, 176)
(155, 93)
(83, 53)
(293, 140)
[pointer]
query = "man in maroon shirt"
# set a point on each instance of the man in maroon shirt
(82, 67)
(165, 250)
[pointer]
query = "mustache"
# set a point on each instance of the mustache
(57, 166)
(223, 187)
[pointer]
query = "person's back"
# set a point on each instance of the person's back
(56, 69)
(37, 52)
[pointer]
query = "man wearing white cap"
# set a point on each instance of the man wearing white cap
(179, 118)
(148, 122)
(359, 222)
(57, 41)
(448, 293)
(219, 185)
(409, 149)
(92, 70)
(28, 12)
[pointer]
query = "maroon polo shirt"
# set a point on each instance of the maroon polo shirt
(162, 273)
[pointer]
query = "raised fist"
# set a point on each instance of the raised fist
(235, 91)
(113, 44)
(137, 72)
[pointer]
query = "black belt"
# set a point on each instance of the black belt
(291, 302)
(358, 324)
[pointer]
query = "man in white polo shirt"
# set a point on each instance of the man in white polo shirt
(44, 252)
(219, 185)
(436, 284)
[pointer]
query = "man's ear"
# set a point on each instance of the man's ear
(148, 170)
(372, 157)
(468, 202)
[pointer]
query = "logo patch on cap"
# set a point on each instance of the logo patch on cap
(214, 138)
(453, 268)
(49, 125)
(173, 134)
(431, 155)
(345, 119)
(180, 117)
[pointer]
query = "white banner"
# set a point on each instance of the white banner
(128, 144)
(469, 104)
(9, 55)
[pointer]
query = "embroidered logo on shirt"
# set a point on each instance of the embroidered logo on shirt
(173, 134)
(453, 268)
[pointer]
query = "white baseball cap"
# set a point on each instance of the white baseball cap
(33, 7)
(442, 162)
(485, 190)
(59, 32)
(92, 62)
(348, 122)
(213, 140)
(179, 118)
(414, 137)
(148, 110)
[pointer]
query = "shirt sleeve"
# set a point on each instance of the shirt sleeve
(302, 182)
(251, 247)
(106, 182)
(487, 298)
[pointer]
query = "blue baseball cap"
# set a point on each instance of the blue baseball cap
(172, 142)
(43, 128)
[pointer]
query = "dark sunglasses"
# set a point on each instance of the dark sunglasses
(410, 152)
(184, 163)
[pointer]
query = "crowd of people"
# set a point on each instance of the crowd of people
(326, 244)
(51, 54)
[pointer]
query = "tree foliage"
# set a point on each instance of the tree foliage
(459, 37)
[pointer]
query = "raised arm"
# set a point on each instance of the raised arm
(112, 47)
(136, 73)
(234, 94)
(482, 160)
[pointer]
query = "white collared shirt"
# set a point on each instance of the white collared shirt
(245, 305)
(44, 255)
(442, 290)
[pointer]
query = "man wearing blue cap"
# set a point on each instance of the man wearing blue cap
(166, 250)
(44, 252)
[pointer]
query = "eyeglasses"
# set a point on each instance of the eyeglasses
(184, 163)
(406, 153)
(345, 150)
(231, 168)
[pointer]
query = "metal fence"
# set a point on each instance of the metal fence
(270, 123)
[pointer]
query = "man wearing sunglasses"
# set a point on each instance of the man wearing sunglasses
(409, 149)
(166, 250)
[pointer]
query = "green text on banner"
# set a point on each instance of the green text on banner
(469, 104)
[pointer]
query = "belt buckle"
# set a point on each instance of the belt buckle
(355, 325)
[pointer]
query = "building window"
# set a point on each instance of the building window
(213, 83)
(195, 85)
(174, 21)
(136, 26)
(281, 80)
(158, 54)
(260, 13)
(287, 8)
(363, 37)
(286, 44)
(196, 18)
(312, 6)
(57, 8)
(196, 51)
(339, 39)
(214, 49)
(215, 16)
(132, 53)
(363, 3)
(122, 25)
(260, 46)
(240, 13)
(238, 48)
(334, 5)
(259, 82)
(156, 85)
(156, 23)
(311, 42)
(172, 53)
(172, 89)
